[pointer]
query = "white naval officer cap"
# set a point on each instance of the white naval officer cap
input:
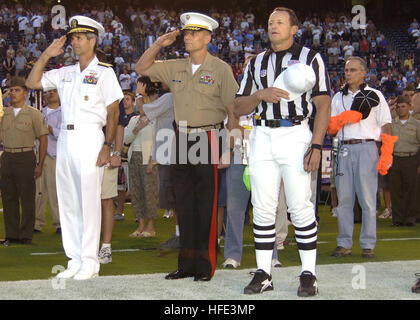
(296, 80)
(198, 21)
(84, 24)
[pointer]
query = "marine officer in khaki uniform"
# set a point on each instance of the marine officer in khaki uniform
(406, 161)
(20, 126)
(202, 87)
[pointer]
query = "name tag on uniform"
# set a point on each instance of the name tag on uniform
(206, 79)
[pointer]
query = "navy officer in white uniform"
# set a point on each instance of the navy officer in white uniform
(90, 93)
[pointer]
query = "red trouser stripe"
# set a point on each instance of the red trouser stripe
(213, 228)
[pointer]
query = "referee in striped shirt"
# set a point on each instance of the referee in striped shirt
(283, 147)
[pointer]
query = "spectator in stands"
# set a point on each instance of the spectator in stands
(125, 80)
(348, 50)
(408, 64)
(212, 47)
(69, 57)
(390, 87)
(20, 62)
(364, 46)
(333, 54)
(9, 64)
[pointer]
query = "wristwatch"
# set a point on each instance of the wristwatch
(109, 144)
(117, 153)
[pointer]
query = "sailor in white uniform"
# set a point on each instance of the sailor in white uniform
(89, 92)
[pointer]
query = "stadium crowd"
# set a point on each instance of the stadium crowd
(26, 32)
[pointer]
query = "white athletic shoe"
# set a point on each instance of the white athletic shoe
(83, 275)
(105, 255)
(386, 214)
(68, 273)
(231, 264)
(276, 263)
(334, 212)
(168, 214)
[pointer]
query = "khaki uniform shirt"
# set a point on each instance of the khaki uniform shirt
(199, 98)
(408, 135)
(22, 130)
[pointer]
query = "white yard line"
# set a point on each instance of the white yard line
(222, 246)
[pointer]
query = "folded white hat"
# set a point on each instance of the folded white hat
(296, 80)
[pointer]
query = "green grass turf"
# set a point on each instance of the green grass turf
(17, 263)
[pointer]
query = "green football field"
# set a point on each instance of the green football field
(43, 258)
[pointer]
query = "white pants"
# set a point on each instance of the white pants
(277, 154)
(79, 195)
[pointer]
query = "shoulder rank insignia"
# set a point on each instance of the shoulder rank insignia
(105, 64)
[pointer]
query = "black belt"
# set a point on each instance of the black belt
(277, 123)
(356, 141)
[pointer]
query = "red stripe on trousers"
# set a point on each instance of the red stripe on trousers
(214, 146)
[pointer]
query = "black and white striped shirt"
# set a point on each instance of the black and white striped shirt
(262, 70)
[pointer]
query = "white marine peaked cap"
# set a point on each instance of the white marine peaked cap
(198, 21)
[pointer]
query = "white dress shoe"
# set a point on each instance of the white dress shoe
(68, 273)
(83, 275)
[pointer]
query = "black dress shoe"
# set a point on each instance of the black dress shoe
(58, 231)
(37, 231)
(26, 241)
(178, 274)
(410, 224)
(397, 224)
(202, 277)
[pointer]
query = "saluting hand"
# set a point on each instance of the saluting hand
(273, 95)
(56, 47)
(167, 39)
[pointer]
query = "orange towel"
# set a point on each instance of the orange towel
(385, 160)
(337, 122)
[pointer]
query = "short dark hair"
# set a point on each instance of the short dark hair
(294, 21)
